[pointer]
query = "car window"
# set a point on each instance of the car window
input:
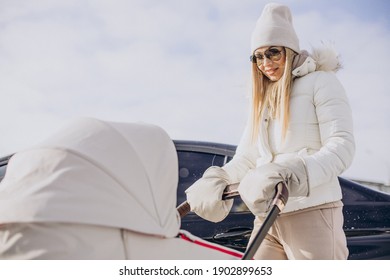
(3, 166)
(2, 171)
(192, 165)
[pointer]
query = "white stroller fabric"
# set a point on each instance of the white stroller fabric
(121, 175)
(97, 190)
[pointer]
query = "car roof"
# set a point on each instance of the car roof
(205, 147)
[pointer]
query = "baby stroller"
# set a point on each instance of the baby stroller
(97, 190)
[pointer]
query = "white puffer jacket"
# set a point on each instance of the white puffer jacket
(320, 131)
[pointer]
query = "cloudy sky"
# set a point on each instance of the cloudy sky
(180, 64)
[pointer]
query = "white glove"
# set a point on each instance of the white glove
(205, 195)
(257, 188)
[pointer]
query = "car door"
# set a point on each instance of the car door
(235, 230)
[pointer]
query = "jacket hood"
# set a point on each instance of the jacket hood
(95, 172)
(324, 58)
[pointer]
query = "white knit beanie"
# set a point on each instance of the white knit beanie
(275, 28)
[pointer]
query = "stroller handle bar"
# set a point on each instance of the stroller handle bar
(280, 197)
(229, 193)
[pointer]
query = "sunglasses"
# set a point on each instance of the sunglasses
(272, 53)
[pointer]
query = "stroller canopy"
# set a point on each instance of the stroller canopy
(96, 172)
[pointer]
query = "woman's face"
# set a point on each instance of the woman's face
(271, 61)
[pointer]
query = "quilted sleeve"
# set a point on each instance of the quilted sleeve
(336, 131)
(244, 158)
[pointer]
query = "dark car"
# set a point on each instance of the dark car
(366, 211)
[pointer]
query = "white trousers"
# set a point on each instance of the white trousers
(314, 233)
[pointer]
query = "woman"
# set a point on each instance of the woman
(299, 132)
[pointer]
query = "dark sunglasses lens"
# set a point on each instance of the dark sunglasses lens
(272, 53)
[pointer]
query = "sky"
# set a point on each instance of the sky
(182, 65)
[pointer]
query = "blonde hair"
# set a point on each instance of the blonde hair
(274, 95)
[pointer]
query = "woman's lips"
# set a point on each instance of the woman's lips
(271, 71)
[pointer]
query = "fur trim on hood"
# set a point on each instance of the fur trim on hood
(324, 58)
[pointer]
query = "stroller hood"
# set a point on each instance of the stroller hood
(122, 175)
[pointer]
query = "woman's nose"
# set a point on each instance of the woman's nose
(266, 61)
